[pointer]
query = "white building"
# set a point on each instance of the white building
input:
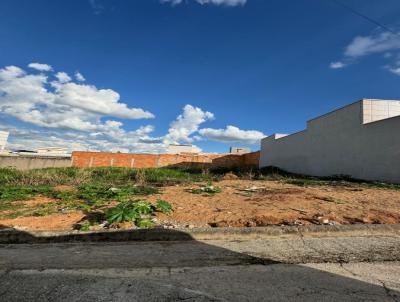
(52, 151)
(239, 150)
(177, 149)
(3, 140)
(361, 140)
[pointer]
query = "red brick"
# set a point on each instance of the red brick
(104, 159)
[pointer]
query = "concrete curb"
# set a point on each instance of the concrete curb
(11, 236)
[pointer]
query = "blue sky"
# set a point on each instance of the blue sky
(258, 66)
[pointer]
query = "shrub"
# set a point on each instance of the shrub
(122, 213)
(163, 206)
(143, 208)
(138, 211)
(144, 223)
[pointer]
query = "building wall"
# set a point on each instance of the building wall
(177, 149)
(3, 139)
(251, 159)
(341, 142)
(103, 159)
(376, 110)
(32, 162)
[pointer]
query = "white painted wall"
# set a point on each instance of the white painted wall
(177, 149)
(3, 140)
(350, 141)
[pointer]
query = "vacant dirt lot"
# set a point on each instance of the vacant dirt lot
(249, 203)
(273, 202)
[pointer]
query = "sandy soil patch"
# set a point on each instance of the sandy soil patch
(280, 203)
(38, 200)
(59, 222)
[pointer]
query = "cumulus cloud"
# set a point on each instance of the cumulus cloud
(122, 141)
(63, 77)
(40, 67)
(10, 72)
(233, 134)
(337, 65)
(186, 124)
(33, 99)
(365, 45)
(79, 77)
(79, 116)
(377, 43)
(214, 2)
(111, 136)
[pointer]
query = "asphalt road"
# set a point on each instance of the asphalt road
(357, 268)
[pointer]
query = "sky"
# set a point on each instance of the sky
(136, 76)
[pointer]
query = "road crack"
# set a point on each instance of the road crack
(389, 292)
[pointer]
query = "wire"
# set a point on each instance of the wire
(349, 8)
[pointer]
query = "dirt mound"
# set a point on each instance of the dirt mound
(230, 176)
(59, 222)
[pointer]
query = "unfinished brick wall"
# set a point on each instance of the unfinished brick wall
(251, 159)
(103, 159)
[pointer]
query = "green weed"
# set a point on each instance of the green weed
(137, 211)
(144, 223)
(208, 189)
(163, 206)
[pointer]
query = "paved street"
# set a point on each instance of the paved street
(360, 268)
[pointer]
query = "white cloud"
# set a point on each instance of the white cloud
(40, 67)
(24, 138)
(97, 101)
(336, 65)
(80, 117)
(32, 99)
(63, 77)
(395, 70)
(186, 124)
(215, 2)
(79, 77)
(233, 134)
(72, 115)
(365, 45)
(361, 46)
(10, 72)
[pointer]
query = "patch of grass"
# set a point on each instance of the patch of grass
(22, 192)
(85, 226)
(14, 214)
(45, 210)
(110, 176)
(163, 206)
(208, 189)
(274, 173)
(305, 182)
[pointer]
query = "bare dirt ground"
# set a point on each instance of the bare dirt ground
(277, 203)
(266, 203)
(54, 222)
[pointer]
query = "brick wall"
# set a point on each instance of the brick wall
(104, 159)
